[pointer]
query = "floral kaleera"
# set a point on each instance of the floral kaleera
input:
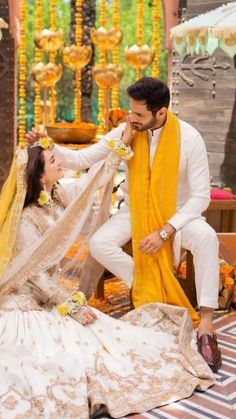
(124, 151)
(73, 304)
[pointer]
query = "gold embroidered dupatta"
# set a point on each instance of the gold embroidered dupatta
(152, 202)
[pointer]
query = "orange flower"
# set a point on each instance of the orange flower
(182, 271)
(229, 282)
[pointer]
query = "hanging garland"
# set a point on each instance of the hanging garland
(52, 57)
(140, 16)
(156, 37)
(22, 73)
(78, 42)
(38, 58)
(102, 61)
(115, 54)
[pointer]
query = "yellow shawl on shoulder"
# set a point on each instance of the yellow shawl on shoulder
(152, 203)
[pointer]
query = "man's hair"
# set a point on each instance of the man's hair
(152, 91)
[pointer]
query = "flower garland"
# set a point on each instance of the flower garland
(140, 15)
(22, 73)
(38, 58)
(156, 37)
(52, 56)
(73, 304)
(115, 54)
(102, 60)
(78, 42)
(122, 150)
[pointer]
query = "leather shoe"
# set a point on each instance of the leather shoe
(208, 348)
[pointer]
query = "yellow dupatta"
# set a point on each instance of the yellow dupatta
(152, 202)
(11, 203)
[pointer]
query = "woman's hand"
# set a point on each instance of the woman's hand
(85, 315)
(128, 132)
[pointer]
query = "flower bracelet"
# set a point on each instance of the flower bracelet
(124, 151)
(73, 304)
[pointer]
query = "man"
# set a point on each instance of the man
(166, 191)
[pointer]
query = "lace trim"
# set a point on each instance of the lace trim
(26, 302)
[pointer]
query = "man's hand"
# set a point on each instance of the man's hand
(153, 242)
(33, 136)
(128, 132)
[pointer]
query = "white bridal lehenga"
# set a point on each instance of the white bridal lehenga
(53, 367)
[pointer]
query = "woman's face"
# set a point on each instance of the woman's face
(52, 168)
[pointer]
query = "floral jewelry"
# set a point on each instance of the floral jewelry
(124, 151)
(43, 142)
(73, 304)
(45, 199)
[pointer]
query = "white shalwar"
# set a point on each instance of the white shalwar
(192, 231)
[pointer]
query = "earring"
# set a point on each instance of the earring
(45, 199)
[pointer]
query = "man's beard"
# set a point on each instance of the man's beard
(143, 127)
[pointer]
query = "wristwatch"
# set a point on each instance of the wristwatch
(163, 234)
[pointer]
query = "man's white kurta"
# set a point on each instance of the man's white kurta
(193, 196)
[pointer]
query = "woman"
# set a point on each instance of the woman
(58, 357)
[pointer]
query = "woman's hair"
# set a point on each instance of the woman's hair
(152, 91)
(34, 172)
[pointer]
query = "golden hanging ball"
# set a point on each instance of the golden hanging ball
(107, 76)
(139, 57)
(49, 40)
(77, 57)
(104, 39)
(47, 75)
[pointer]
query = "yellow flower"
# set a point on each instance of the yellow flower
(111, 143)
(62, 310)
(43, 198)
(121, 152)
(79, 297)
(44, 142)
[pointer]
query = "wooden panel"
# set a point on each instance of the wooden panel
(208, 105)
(7, 92)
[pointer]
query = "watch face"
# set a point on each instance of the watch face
(163, 234)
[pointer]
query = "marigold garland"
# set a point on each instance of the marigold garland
(115, 54)
(52, 56)
(156, 37)
(140, 15)
(102, 60)
(103, 13)
(38, 58)
(22, 73)
(78, 42)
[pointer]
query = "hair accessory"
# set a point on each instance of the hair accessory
(43, 142)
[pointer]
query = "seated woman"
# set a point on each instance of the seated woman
(59, 357)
